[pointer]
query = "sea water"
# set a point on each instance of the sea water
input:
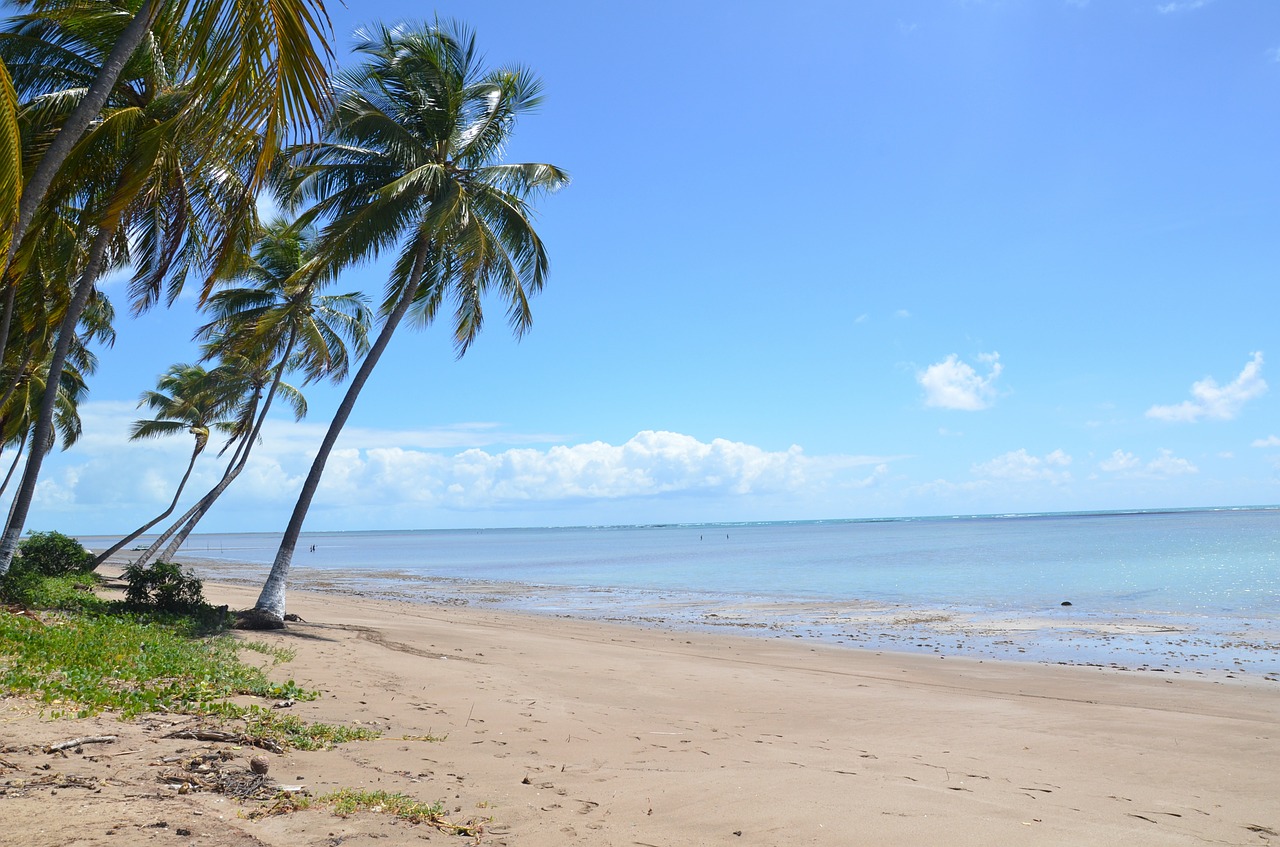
(1169, 590)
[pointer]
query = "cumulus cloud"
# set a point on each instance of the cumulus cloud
(450, 468)
(648, 465)
(954, 384)
(1269, 441)
(1021, 466)
(1216, 402)
(1163, 466)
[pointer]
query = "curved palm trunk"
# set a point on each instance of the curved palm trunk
(13, 466)
(42, 432)
(13, 383)
(184, 526)
(268, 612)
(6, 321)
(73, 129)
(173, 504)
(206, 503)
(232, 471)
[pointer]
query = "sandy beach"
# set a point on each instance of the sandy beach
(562, 732)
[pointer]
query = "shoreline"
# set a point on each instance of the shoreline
(551, 731)
(1205, 646)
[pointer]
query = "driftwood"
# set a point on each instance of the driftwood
(80, 742)
(202, 734)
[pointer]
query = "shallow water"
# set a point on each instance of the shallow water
(1181, 591)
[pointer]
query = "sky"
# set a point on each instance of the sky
(818, 260)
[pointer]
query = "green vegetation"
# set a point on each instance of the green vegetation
(348, 801)
(164, 586)
(81, 655)
(52, 554)
(86, 662)
(293, 732)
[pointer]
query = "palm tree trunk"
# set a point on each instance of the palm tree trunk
(6, 321)
(206, 503)
(72, 130)
(195, 454)
(13, 466)
(229, 474)
(268, 612)
(42, 432)
(13, 383)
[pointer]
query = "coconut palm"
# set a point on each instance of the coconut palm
(253, 385)
(260, 66)
(410, 159)
(277, 323)
(142, 180)
(185, 399)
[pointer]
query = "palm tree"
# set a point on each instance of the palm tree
(257, 67)
(252, 386)
(142, 179)
(409, 158)
(279, 322)
(185, 399)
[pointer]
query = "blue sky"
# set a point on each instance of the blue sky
(818, 260)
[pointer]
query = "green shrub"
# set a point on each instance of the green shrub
(52, 554)
(164, 586)
(33, 591)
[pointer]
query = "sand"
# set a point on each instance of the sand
(564, 732)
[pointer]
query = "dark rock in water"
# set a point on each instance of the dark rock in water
(1066, 602)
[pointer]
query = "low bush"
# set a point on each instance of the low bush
(30, 590)
(164, 586)
(52, 554)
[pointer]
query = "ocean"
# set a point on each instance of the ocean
(1194, 591)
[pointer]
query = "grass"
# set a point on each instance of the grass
(349, 801)
(83, 655)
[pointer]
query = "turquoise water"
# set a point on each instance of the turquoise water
(1210, 578)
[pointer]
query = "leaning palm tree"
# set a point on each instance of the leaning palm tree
(278, 322)
(142, 180)
(185, 399)
(410, 159)
(261, 66)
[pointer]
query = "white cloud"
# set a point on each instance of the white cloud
(953, 384)
(1167, 464)
(447, 467)
(1215, 402)
(902, 313)
(1269, 441)
(1021, 466)
(650, 464)
(1120, 461)
(1176, 6)
(1163, 466)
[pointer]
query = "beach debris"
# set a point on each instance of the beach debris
(212, 771)
(259, 764)
(202, 733)
(1066, 603)
(80, 742)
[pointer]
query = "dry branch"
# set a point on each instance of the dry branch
(80, 742)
